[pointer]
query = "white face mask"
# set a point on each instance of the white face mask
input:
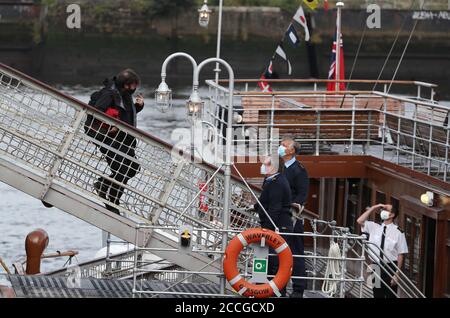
(385, 215)
(263, 170)
(282, 151)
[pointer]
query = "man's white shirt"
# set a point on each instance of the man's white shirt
(394, 243)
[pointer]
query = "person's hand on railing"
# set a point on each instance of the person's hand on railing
(297, 209)
(113, 131)
(395, 279)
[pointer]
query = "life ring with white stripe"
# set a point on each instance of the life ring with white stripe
(264, 236)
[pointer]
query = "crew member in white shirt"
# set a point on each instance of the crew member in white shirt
(393, 247)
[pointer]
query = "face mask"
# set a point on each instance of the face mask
(263, 170)
(282, 151)
(384, 215)
(131, 91)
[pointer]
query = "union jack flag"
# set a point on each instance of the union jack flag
(332, 73)
(263, 85)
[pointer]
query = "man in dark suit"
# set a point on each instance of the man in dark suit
(298, 179)
(276, 200)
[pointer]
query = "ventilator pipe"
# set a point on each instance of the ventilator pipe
(35, 244)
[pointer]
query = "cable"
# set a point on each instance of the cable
(332, 271)
(393, 44)
(404, 50)
(363, 35)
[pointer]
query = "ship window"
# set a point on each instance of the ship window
(366, 198)
(448, 270)
(380, 197)
(413, 264)
(395, 205)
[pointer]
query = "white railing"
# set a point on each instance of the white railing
(354, 278)
(411, 132)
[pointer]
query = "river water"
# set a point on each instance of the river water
(20, 214)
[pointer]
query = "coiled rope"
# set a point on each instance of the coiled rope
(333, 270)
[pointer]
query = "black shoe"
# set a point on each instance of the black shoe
(101, 189)
(47, 205)
(112, 209)
(296, 294)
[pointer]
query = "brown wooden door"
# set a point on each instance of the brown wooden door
(419, 227)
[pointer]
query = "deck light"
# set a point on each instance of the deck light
(194, 106)
(427, 198)
(163, 96)
(203, 15)
(237, 118)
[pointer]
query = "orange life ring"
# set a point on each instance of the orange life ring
(246, 288)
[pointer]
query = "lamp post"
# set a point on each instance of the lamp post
(204, 14)
(228, 153)
(163, 94)
(194, 104)
(203, 11)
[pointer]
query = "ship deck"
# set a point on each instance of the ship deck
(58, 287)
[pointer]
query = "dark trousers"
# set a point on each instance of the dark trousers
(122, 169)
(284, 224)
(387, 271)
(298, 248)
(272, 267)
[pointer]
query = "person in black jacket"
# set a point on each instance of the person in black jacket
(298, 179)
(276, 200)
(116, 100)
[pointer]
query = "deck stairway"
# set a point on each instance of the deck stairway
(45, 152)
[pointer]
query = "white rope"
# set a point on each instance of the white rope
(333, 270)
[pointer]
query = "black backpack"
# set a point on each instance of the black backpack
(92, 126)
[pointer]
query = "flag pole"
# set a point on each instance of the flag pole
(339, 6)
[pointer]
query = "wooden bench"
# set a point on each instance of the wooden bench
(334, 124)
(253, 104)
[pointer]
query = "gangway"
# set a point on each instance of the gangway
(45, 152)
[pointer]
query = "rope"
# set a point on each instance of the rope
(333, 270)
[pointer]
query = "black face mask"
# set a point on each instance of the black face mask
(131, 91)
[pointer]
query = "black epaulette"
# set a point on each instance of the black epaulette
(401, 231)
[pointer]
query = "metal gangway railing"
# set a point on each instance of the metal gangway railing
(46, 153)
(346, 273)
(410, 131)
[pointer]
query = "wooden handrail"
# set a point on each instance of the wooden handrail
(60, 254)
(3, 264)
(243, 93)
(325, 81)
(311, 214)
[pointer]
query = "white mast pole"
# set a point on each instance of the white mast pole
(339, 6)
